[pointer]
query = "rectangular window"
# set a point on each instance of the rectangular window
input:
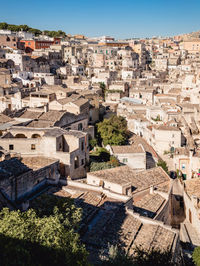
(32, 146)
(82, 162)
(82, 146)
(11, 147)
(125, 160)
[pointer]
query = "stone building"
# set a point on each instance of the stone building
(10, 41)
(190, 228)
(18, 178)
(132, 155)
(69, 147)
(163, 138)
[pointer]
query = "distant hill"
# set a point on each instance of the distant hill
(16, 28)
(189, 36)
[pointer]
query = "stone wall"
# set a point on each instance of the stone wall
(16, 188)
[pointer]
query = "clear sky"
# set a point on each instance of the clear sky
(121, 19)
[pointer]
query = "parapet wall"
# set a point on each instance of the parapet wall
(97, 189)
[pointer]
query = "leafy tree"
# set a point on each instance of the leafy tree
(95, 166)
(103, 88)
(163, 164)
(54, 33)
(61, 33)
(100, 155)
(46, 236)
(24, 27)
(113, 131)
(93, 143)
(3, 25)
(12, 27)
(101, 159)
(196, 256)
(35, 31)
(114, 161)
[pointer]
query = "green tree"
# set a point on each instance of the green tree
(61, 33)
(35, 31)
(113, 131)
(196, 256)
(3, 25)
(95, 166)
(46, 236)
(13, 27)
(163, 164)
(93, 143)
(100, 155)
(24, 27)
(114, 161)
(103, 88)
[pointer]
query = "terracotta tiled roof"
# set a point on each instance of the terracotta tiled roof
(127, 149)
(5, 119)
(193, 187)
(140, 180)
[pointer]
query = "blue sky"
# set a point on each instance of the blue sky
(121, 19)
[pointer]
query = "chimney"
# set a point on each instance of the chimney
(151, 189)
(46, 108)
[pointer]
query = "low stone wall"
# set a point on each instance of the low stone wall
(97, 189)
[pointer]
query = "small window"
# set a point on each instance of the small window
(125, 160)
(82, 162)
(82, 146)
(80, 126)
(11, 147)
(32, 146)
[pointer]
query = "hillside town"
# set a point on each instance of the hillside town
(113, 125)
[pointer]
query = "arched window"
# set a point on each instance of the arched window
(76, 162)
(35, 136)
(20, 136)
